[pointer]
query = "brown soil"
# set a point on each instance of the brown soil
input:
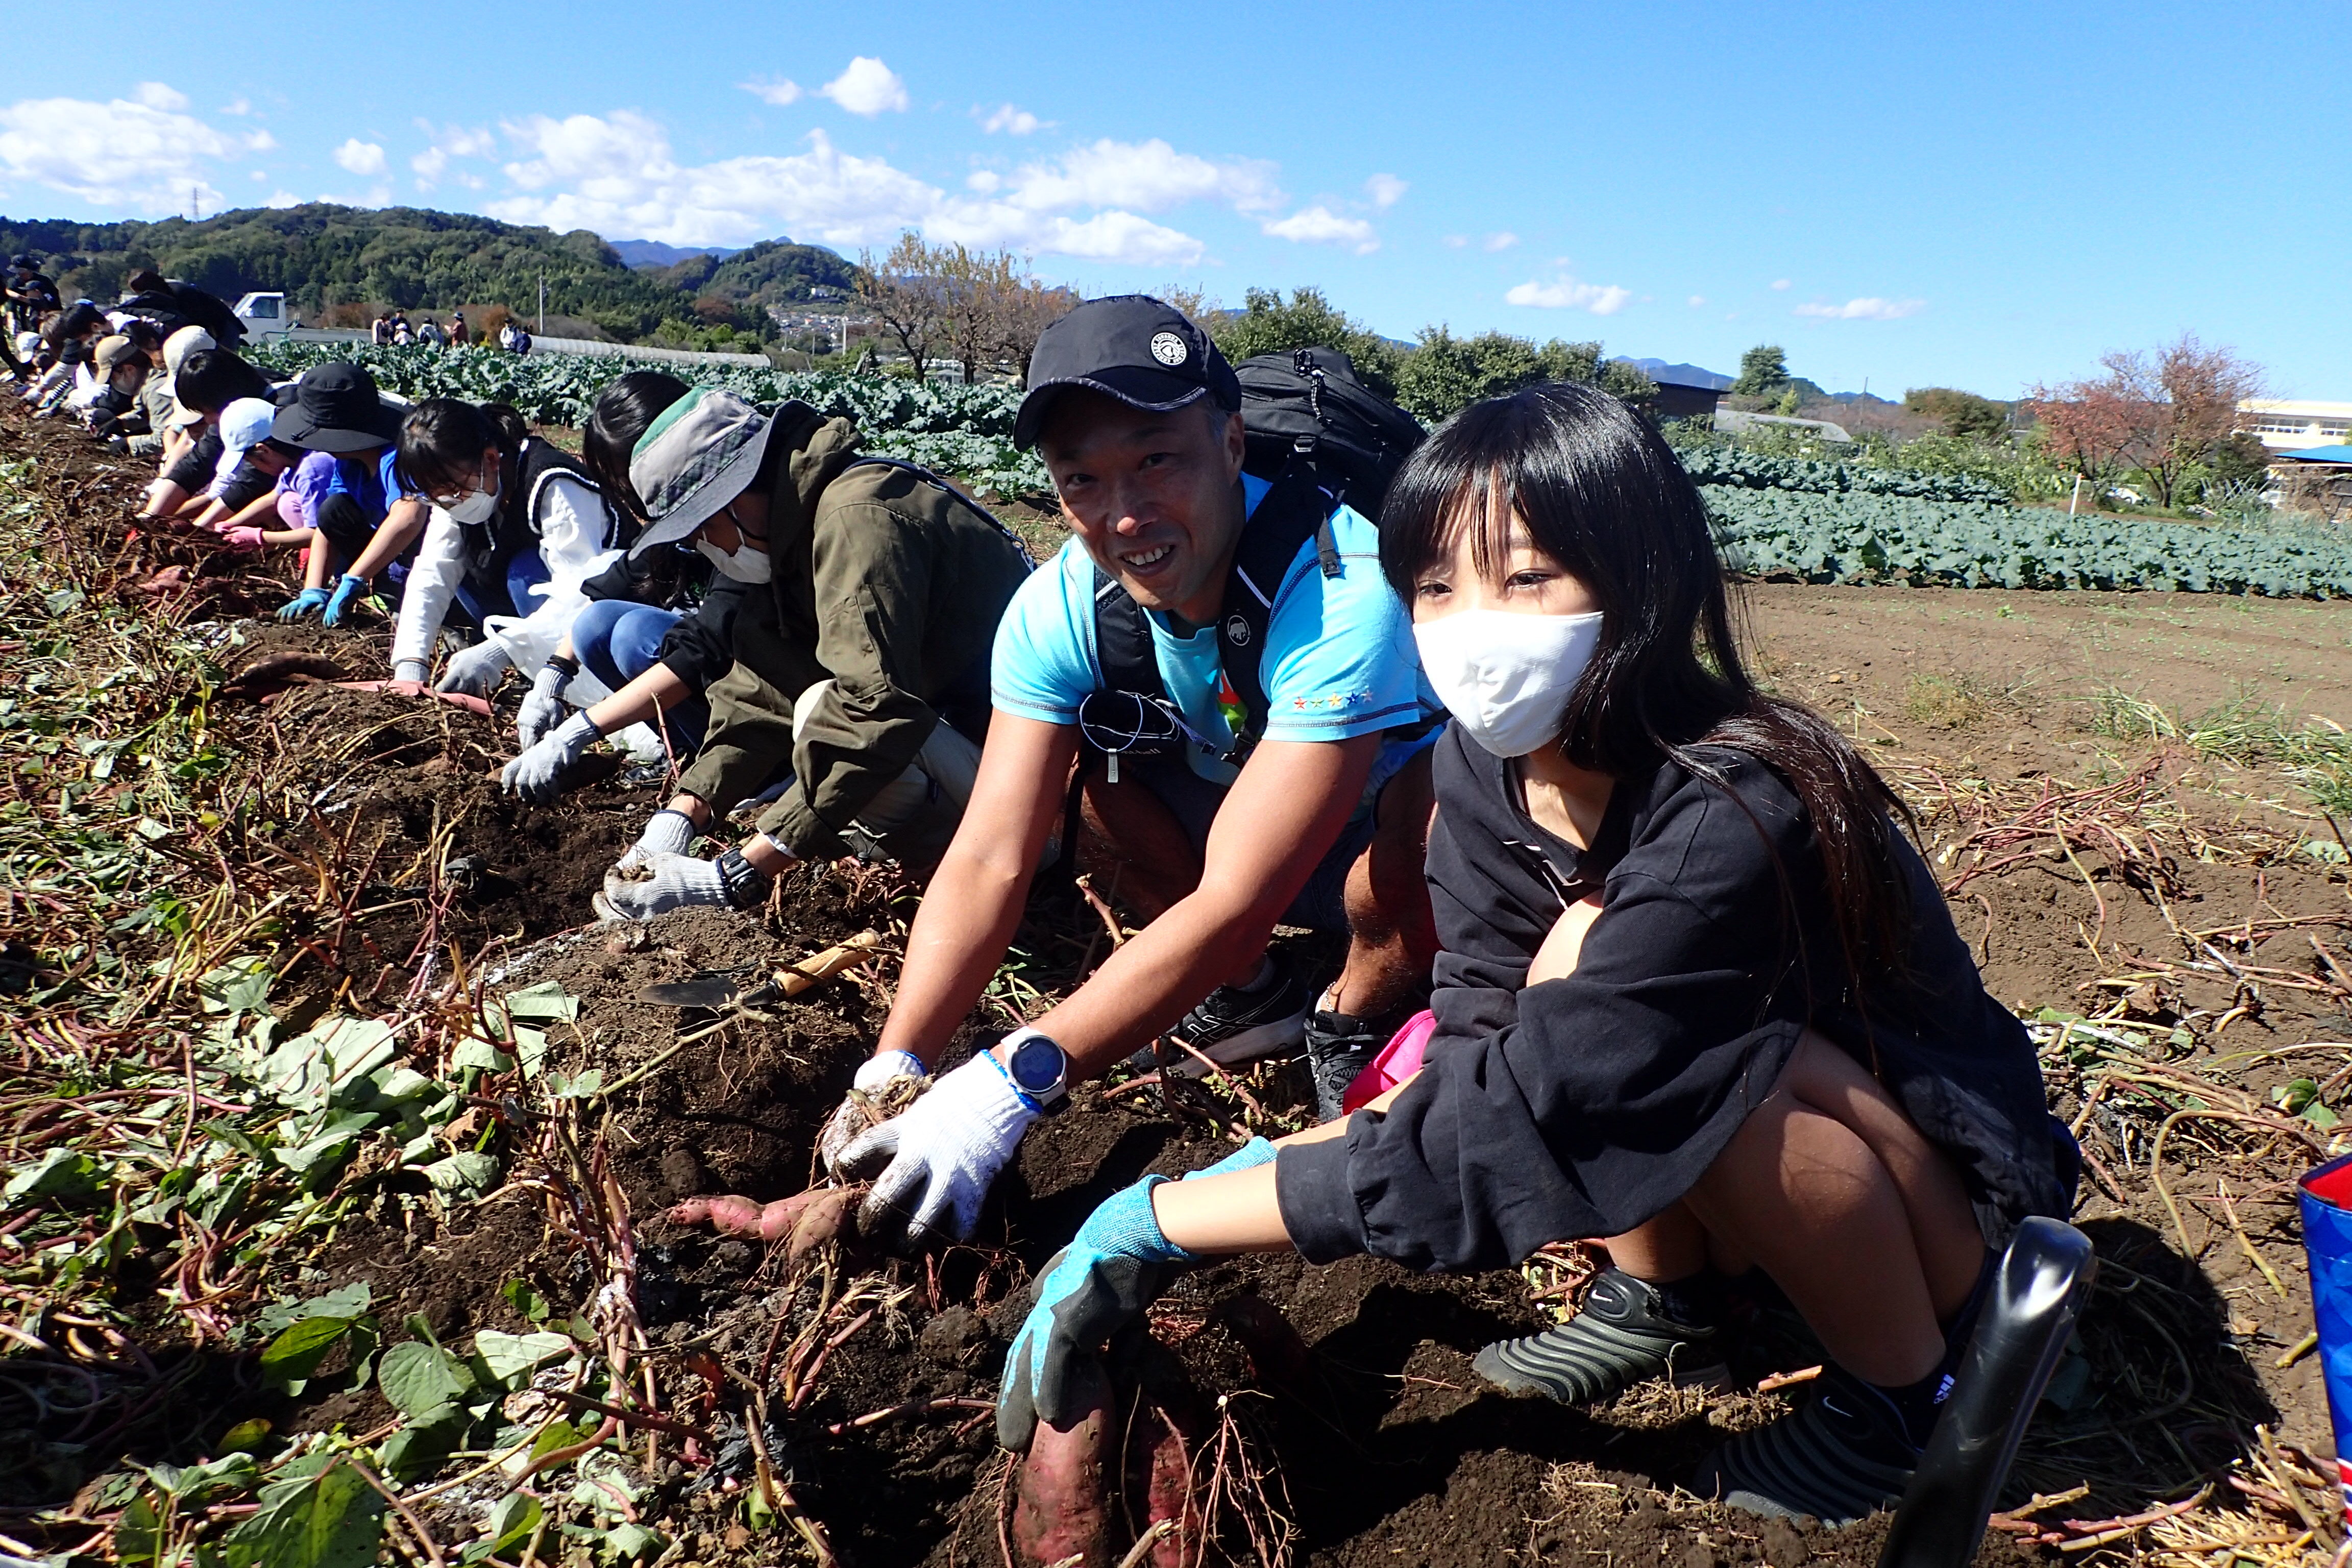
(1385, 1447)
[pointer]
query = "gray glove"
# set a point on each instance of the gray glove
(537, 774)
(413, 669)
(667, 882)
(860, 1109)
(667, 833)
(475, 671)
(543, 710)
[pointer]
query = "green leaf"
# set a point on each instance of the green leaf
(524, 1300)
(419, 1377)
(334, 1520)
(466, 1175)
(512, 1519)
(545, 1002)
(295, 1354)
(244, 1437)
(62, 1172)
(476, 1052)
(557, 1434)
(513, 1358)
(2319, 1116)
(425, 1444)
(633, 1542)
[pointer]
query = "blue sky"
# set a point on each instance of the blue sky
(1980, 196)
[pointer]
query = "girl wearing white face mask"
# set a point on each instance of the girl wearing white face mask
(517, 526)
(1699, 997)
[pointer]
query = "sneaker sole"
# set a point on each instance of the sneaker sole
(1251, 1045)
(1488, 1364)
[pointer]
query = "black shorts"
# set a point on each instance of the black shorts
(195, 470)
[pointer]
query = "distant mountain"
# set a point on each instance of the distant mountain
(1680, 374)
(770, 273)
(646, 253)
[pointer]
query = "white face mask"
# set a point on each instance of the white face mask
(1507, 678)
(477, 507)
(745, 565)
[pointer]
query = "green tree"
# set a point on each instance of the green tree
(1960, 414)
(1763, 372)
(1267, 323)
(1444, 375)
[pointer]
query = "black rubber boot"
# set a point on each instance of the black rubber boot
(1619, 1337)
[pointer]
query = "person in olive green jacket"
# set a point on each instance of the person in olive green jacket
(862, 667)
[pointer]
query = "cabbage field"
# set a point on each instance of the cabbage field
(1786, 517)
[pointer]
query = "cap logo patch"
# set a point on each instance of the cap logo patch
(1168, 349)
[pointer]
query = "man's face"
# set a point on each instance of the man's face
(1153, 497)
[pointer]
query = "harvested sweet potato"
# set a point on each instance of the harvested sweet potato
(1062, 1508)
(1166, 1465)
(733, 1216)
(821, 1220)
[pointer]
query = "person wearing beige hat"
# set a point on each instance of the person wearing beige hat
(111, 410)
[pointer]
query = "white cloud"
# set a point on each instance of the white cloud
(237, 106)
(983, 180)
(1012, 121)
(1501, 240)
(1696, 300)
(1150, 175)
(1565, 293)
(1320, 226)
(121, 154)
(261, 177)
(362, 158)
(1780, 283)
(450, 142)
(284, 199)
(1386, 190)
(867, 87)
(156, 95)
(428, 165)
(260, 142)
(779, 91)
(1864, 309)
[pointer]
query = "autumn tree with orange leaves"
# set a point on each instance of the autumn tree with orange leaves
(2154, 410)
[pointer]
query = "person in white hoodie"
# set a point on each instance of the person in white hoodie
(517, 526)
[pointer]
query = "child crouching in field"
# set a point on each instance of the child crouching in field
(1768, 1049)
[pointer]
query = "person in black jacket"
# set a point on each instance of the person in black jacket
(172, 304)
(1699, 997)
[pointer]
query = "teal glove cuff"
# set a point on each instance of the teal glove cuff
(1249, 1156)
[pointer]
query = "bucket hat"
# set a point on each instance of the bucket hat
(699, 455)
(337, 408)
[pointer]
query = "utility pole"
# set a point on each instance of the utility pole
(542, 301)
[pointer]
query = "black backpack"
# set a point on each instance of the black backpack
(1321, 440)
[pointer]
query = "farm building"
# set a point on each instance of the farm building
(2285, 425)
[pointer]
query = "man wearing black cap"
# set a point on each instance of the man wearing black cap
(1291, 787)
(337, 410)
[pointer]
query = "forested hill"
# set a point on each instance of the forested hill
(320, 255)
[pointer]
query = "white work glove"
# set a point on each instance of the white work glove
(475, 671)
(668, 832)
(543, 710)
(932, 1164)
(676, 880)
(537, 775)
(857, 1111)
(414, 670)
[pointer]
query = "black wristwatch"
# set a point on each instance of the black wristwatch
(1038, 1068)
(745, 884)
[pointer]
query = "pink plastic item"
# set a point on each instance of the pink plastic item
(1398, 1060)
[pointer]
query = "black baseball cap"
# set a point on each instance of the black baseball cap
(337, 408)
(1141, 350)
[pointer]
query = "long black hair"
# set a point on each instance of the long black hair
(442, 440)
(624, 412)
(1601, 492)
(209, 380)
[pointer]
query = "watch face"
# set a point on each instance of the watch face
(1037, 1064)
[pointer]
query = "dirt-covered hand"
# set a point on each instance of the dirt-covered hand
(668, 882)
(668, 832)
(475, 671)
(543, 709)
(932, 1164)
(538, 773)
(1116, 1266)
(884, 1086)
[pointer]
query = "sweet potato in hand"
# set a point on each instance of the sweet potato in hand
(805, 1221)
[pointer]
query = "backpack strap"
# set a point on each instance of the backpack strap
(1296, 510)
(929, 478)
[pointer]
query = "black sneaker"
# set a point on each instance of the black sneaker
(1338, 1047)
(1841, 1458)
(1620, 1337)
(1232, 1025)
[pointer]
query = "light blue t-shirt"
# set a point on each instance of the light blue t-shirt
(1338, 662)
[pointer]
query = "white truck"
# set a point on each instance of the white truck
(265, 316)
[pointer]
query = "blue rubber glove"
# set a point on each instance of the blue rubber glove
(1249, 1156)
(303, 605)
(339, 606)
(1116, 1266)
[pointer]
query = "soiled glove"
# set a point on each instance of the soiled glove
(1116, 1266)
(242, 537)
(857, 1110)
(931, 1165)
(303, 605)
(411, 672)
(339, 603)
(543, 710)
(676, 880)
(537, 774)
(666, 832)
(475, 671)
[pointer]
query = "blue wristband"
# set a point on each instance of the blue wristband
(1001, 1071)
